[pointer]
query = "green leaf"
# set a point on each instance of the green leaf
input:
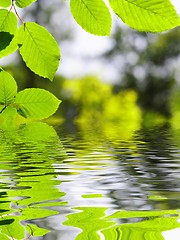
(93, 16)
(39, 49)
(7, 47)
(8, 21)
(8, 115)
(36, 103)
(24, 3)
(8, 88)
(5, 3)
(6, 38)
(36, 132)
(8, 28)
(146, 15)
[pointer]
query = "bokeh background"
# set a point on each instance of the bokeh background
(130, 78)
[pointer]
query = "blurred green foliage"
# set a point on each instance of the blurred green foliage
(96, 104)
(146, 65)
(175, 107)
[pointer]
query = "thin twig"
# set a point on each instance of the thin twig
(14, 7)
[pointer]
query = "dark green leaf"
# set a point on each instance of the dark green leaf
(5, 39)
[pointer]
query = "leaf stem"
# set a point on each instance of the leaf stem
(14, 7)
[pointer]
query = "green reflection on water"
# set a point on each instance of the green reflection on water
(28, 181)
(90, 220)
(94, 222)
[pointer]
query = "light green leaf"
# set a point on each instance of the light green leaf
(36, 103)
(8, 28)
(24, 3)
(2, 107)
(5, 3)
(8, 88)
(37, 132)
(8, 21)
(8, 115)
(146, 15)
(93, 16)
(39, 49)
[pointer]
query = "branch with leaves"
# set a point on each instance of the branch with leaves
(39, 49)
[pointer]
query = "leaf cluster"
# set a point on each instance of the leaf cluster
(41, 53)
(32, 103)
(142, 15)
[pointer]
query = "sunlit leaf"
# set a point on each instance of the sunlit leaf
(8, 28)
(8, 114)
(4, 237)
(93, 16)
(8, 88)
(36, 103)
(147, 15)
(5, 3)
(8, 21)
(24, 3)
(39, 49)
(38, 132)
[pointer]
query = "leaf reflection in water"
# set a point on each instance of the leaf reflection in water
(115, 189)
(149, 225)
(28, 181)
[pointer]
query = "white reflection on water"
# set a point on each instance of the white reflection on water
(172, 234)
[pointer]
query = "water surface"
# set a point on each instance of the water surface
(58, 184)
